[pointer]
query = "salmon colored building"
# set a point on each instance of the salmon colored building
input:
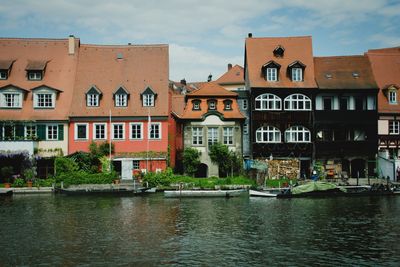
(121, 96)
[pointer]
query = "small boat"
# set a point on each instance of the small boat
(313, 189)
(6, 192)
(204, 193)
(263, 193)
(97, 191)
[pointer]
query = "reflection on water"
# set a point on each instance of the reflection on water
(52, 230)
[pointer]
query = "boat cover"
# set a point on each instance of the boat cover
(315, 186)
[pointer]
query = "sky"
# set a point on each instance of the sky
(205, 35)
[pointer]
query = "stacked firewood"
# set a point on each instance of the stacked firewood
(287, 168)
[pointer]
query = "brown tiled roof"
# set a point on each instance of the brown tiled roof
(140, 67)
(259, 51)
(212, 89)
(36, 65)
(233, 76)
(60, 74)
(344, 72)
(6, 64)
(207, 91)
(385, 65)
(178, 104)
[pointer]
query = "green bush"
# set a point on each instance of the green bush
(82, 177)
(18, 182)
(65, 165)
(44, 182)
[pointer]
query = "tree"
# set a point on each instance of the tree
(191, 160)
(227, 161)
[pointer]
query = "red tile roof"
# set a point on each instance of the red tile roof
(259, 51)
(212, 89)
(60, 74)
(139, 67)
(344, 72)
(235, 75)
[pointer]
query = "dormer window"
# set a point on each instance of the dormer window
(44, 97)
(35, 70)
(296, 71)
(227, 104)
(93, 97)
(11, 97)
(121, 97)
(148, 97)
(390, 91)
(196, 104)
(5, 68)
(392, 97)
(271, 71)
(3, 75)
(212, 104)
(279, 51)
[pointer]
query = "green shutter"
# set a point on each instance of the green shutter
(19, 130)
(41, 132)
(60, 132)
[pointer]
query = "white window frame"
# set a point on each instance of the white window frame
(245, 104)
(212, 136)
(140, 124)
(114, 125)
(293, 134)
(196, 105)
(121, 100)
(92, 100)
(3, 75)
(297, 102)
(268, 134)
(297, 74)
(38, 103)
(136, 164)
(148, 100)
(30, 131)
(35, 75)
(197, 136)
(228, 105)
(76, 126)
(212, 105)
(95, 131)
(268, 102)
(16, 101)
(392, 97)
(49, 134)
(158, 124)
(272, 74)
(394, 127)
(228, 136)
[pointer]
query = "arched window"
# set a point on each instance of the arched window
(268, 102)
(297, 134)
(297, 102)
(268, 134)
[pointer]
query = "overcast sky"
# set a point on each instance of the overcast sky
(205, 35)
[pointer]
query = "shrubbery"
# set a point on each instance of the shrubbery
(82, 177)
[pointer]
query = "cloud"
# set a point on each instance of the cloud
(385, 40)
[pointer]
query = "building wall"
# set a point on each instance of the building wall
(52, 148)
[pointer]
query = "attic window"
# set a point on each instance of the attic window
(120, 56)
(121, 97)
(279, 51)
(5, 67)
(228, 104)
(270, 71)
(328, 76)
(93, 97)
(296, 71)
(355, 75)
(148, 97)
(3, 75)
(35, 75)
(35, 70)
(196, 104)
(212, 104)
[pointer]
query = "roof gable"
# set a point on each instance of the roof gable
(148, 91)
(43, 86)
(212, 89)
(93, 90)
(234, 75)
(8, 86)
(121, 91)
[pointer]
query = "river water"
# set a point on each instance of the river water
(54, 230)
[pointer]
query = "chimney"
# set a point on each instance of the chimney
(183, 81)
(229, 66)
(250, 35)
(209, 78)
(71, 45)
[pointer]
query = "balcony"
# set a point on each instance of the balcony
(264, 150)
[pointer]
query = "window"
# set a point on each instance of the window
(34, 75)
(196, 104)
(245, 104)
(344, 103)
(268, 102)
(327, 102)
(268, 134)
(212, 136)
(212, 105)
(297, 74)
(227, 104)
(52, 132)
(81, 131)
(8, 132)
(155, 131)
(297, 102)
(272, 74)
(359, 103)
(228, 135)
(30, 131)
(121, 100)
(325, 135)
(148, 100)
(394, 127)
(3, 75)
(92, 100)
(99, 131)
(197, 136)
(136, 130)
(246, 128)
(392, 97)
(136, 165)
(118, 130)
(297, 134)
(44, 100)
(12, 100)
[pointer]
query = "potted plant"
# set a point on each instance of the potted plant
(6, 173)
(29, 175)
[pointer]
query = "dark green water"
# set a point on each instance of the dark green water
(50, 230)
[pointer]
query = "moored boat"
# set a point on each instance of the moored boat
(6, 192)
(97, 191)
(263, 193)
(204, 193)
